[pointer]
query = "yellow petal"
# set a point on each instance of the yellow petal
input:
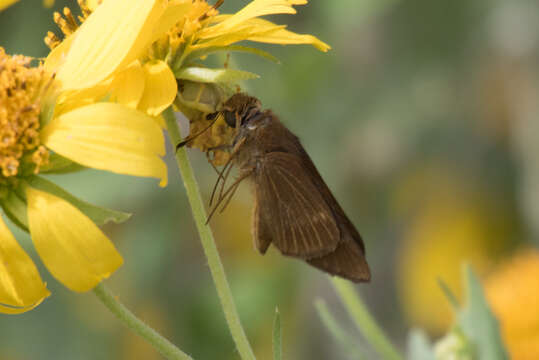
(21, 287)
(252, 10)
(91, 4)
(160, 89)
(127, 86)
(109, 137)
(69, 100)
(6, 3)
(174, 12)
(58, 55)
(72, 247)
(285, 37)
(239, 33)
(160, 121)
(110, 38)
(261, 30)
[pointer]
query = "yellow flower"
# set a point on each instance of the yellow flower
(101, 135)
(154, 41)
(103, 55)
(202, 30)
(513, 293)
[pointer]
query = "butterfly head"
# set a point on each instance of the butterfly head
(240, 108)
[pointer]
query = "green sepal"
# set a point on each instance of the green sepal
(277, 337)
(98, 214)
(478, 323)
(47, 108)
(203, 97)
(205, 75)
(15, 208)
(197, 54)
(60, 165)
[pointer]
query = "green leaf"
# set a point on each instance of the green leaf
(205, 75)
(277, 337)
(478, 323)
(230, 48)
(419, 347)
(98, 214)
(60, 165)
(15, 209)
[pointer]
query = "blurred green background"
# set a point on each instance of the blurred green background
(422, 119)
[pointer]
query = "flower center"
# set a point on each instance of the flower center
(20, 90)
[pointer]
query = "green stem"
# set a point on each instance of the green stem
(208, 243)
(165, 347)
(364, 320)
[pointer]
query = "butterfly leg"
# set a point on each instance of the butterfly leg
(227, 196)
(222, 175)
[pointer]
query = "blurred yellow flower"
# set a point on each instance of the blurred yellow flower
(450, 224)
(6, 3)
(102, 135)
(512, 290)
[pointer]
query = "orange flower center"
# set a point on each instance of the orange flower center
(20, 89)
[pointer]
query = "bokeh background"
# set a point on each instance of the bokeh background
(424, 121)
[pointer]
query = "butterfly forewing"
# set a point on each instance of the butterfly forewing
(300, 222)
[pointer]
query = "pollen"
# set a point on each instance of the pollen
(20, 91)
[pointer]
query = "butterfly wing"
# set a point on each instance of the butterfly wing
(348, 260)
(261, 231)
(299, 222)
(307, 222)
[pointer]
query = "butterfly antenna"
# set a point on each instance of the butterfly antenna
(189, 138)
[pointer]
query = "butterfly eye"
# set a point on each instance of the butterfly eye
(211, 116)
(230, 118)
